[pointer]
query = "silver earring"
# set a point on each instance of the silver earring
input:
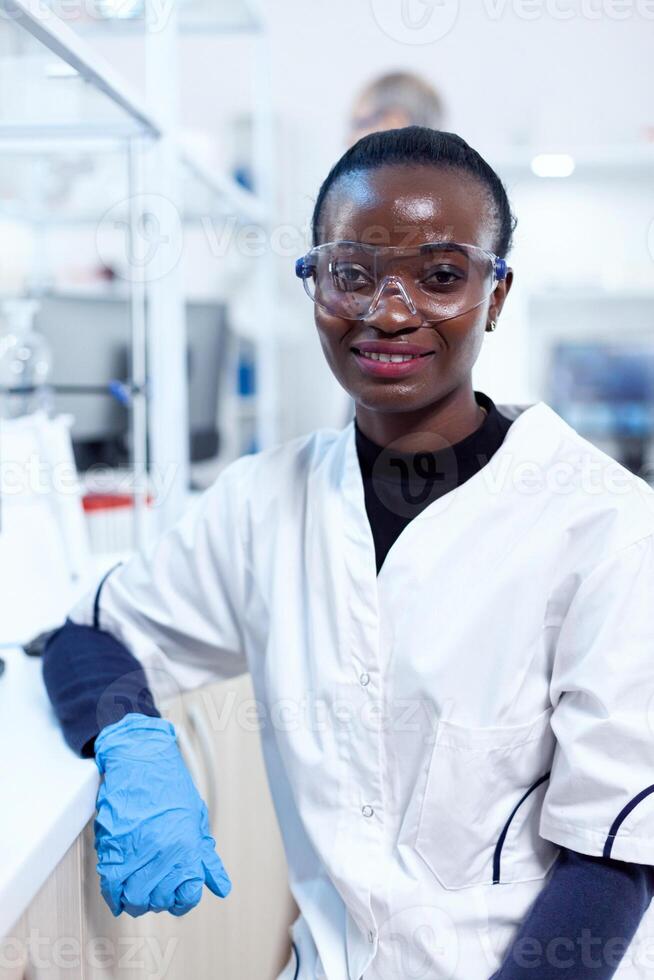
(491, 326)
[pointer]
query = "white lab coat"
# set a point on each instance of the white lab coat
(509, 634)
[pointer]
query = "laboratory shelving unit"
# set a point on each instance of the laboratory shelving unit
(225, 760)
(38, 50)
(42, 59)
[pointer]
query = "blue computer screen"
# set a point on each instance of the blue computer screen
(604, 389)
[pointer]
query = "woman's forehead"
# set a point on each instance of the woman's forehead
(408, 205)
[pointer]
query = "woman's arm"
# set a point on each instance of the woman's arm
(598, 803)
(582, 922)
(92, 680)
(167, 621)
(158, 624)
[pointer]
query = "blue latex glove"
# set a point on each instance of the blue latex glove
(155, 852)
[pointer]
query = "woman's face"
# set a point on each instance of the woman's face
(408, 205)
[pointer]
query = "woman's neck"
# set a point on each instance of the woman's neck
(447, 421)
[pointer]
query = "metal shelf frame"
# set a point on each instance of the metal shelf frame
(223, 194)
(158, 423)
(225, 190)
(43, 25)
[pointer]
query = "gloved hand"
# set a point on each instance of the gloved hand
(155, 852)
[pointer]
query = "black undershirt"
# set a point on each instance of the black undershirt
(400, 485)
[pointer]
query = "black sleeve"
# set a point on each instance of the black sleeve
(582, 922)
(93, 680)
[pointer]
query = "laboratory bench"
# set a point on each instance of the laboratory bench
(48, 793)
(53, 920)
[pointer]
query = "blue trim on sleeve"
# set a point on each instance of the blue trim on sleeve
(96, 601)
(622, 816)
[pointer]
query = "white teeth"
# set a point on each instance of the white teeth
(392, 358)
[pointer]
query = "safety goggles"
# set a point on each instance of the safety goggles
(438, 280)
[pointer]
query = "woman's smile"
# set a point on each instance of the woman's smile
(391, 359)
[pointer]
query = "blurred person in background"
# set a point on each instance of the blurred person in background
(393, 101)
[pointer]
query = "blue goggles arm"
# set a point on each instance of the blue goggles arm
(303, 267)
(501, 269)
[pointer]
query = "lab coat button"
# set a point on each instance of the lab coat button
(367, 811)
(364, 679)
(371, 935)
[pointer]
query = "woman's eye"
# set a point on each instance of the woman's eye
(443, 277)
(348, 277)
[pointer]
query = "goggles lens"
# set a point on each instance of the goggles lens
(440, 280)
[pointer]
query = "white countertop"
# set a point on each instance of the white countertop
(48, 793)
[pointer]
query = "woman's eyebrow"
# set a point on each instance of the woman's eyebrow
(441, 246)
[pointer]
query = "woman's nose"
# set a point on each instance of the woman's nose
(392, 304)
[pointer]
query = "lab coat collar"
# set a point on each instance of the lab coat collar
(528, 445)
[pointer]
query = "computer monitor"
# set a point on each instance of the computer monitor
(606, 392)
(90, 340)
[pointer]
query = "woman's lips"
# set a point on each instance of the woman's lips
(391, 361)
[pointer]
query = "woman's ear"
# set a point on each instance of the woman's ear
(499, 295)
